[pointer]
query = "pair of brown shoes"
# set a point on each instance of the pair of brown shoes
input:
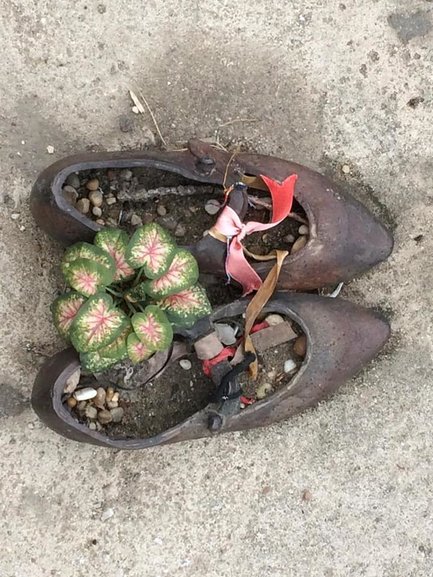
(344, 240)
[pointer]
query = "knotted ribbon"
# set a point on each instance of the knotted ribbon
(230, 225)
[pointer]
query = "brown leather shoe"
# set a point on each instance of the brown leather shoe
(341, 339)
(345, 238)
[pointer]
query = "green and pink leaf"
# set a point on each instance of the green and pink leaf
(186, 307)
(137, 350)
(95, 362)
(152, 248)
(91, 252)
(115, 243)
(97, 324)
(86, 277)
(153, 328)
(64, 310)
(182, 273)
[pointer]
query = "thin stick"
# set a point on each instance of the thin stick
(236, 120)
(154, 120)
(259, 202)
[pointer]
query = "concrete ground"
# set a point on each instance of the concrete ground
(329, 83)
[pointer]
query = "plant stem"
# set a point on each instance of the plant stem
(138, 277)
(114, 292)
(130, 307)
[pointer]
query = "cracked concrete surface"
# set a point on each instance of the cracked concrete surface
(330, 83)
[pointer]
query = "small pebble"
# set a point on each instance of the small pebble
(72, 382)
(83, 205)
(212, 206)
(115, 398)
(289, 239)
(109, 393)
(100, 221)
(125, 123)
(345, 168)
(97, 211)
(91, 412)
(147, 217)
(99, 400)
(111, 200)
(96, 197)
(303, 229)
(226, 333)
(71, 402)
(274, 319)
(135, 110)
(117, 414)
(107, 514)
(185, 364)
(299, 243)
(92, 426)
(50, 149)
(289, 366)
(15, 215)
(112, 404)
(92, 184)
(136, 220)
(161, 210)
(263, 391)
(104, 417)
(125, 174)
(300, 346)
(85, 394)
(22, 228)
(70, 194)
(82, 406)
(73, 180)
(179, 230)
(306, 495)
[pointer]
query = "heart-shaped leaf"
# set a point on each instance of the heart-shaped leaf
(65, 309)
(97, 324)
(137, 350)
(115, 243)
(153, 328)
(152, 248)
(86, 276)
(107, 356)
(182, 273)
(186, 307)
(95, 362)
(81, 250)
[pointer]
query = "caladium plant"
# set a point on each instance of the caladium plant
(127, 295)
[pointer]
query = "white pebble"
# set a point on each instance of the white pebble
(289, 366)
(50, 149)
(274, 319)
(135, 110)
(345, 168)
(111, 200)
(212, 206)
(107, 514)
(185, 364)
(303, 229)
(136, 220)
(85, 394)
(97, 211)
(15, 215)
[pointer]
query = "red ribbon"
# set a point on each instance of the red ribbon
(230, 225)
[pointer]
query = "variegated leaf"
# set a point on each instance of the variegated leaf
(152, 248)
(95, 362)
(137, 350)
(64, 310)
(97, 324)
(186, 307)
(81, 250)
(182, 273)
(117, 349)
(115, 242)
(86, 276)
(153, 328)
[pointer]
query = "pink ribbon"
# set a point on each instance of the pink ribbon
(230, 225)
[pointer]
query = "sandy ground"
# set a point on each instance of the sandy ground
(330, 83)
